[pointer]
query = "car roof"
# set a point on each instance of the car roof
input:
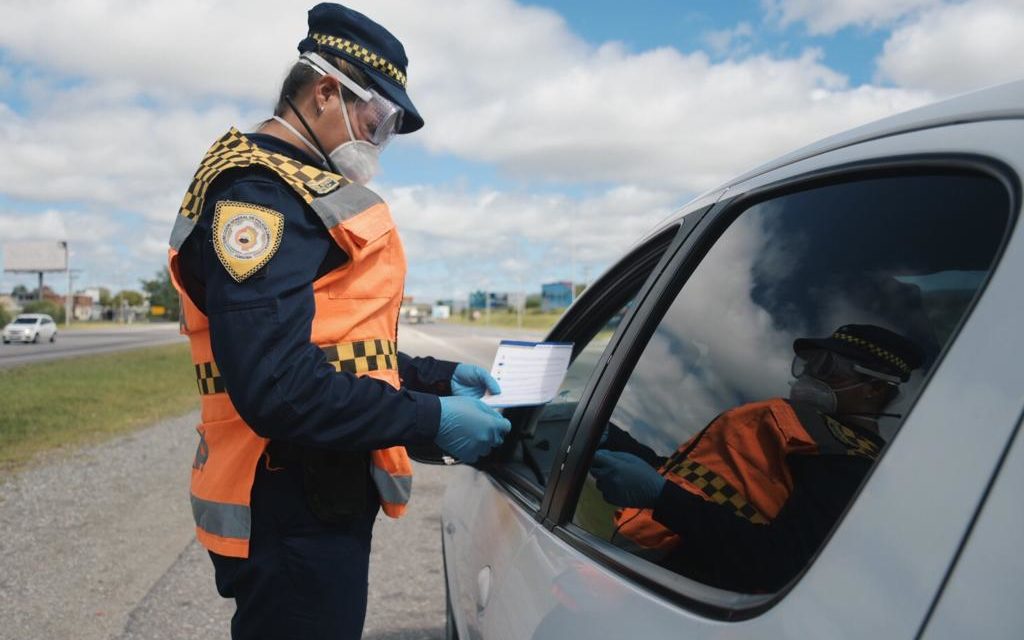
(36, 316)
(998, 102)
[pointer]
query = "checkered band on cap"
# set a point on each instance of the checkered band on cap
(378, 62)
(876, 351)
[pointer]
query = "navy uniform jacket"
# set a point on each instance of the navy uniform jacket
(281, 383)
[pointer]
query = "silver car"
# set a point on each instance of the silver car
(30, 327)
(908, 223)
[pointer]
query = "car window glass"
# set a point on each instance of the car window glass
(712, 464)
(538, 433)
(539, 442)
(25, 321)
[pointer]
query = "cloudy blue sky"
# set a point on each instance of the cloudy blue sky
(557, 132)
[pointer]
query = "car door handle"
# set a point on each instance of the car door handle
(483, 588)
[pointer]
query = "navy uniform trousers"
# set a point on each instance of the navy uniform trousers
(304, 578)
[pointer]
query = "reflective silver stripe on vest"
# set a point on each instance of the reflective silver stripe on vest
(181, 230)
(393, 489)
(221, 519)
(347, 202)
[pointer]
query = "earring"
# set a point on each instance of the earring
(319, 109)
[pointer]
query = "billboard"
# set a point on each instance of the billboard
(47, 255)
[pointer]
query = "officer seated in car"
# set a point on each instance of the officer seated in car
(745, 503)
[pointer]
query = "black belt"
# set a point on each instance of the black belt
(336, 483)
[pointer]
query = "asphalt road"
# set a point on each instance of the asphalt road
(98, 544)
(88, 341)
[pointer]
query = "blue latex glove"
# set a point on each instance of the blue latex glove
(469, 428)
(626, 480)
(473, 381)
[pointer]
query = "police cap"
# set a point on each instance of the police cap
(872, 346)
(347, 34)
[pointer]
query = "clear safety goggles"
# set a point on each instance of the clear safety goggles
(379, 118)
(828, 366)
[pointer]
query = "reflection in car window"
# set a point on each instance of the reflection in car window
(786, 362)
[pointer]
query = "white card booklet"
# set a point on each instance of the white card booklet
(529, 373)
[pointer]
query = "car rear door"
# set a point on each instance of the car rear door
(884, 563)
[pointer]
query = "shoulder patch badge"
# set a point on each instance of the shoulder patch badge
(246, 236)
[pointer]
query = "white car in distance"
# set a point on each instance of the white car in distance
(30, 327)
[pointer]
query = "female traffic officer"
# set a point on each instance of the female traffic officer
(292, 275)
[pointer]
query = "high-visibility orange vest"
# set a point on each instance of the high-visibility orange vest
(356, 323)
(739, 460)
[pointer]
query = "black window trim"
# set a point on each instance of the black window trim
(529, 495)
(683, 592)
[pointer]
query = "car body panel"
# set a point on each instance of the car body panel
(887, 561)
(985, 591)
(475, 514)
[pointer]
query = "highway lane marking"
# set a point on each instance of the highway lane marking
(8, 359)
(467, 356)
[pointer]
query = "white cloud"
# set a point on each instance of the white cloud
(829, 16)
(196, 47)
(118, 121)
(115, 154)
(514, 87)
(660, 118)
(472, 237)
(732, 42)
(497, 82)
(959, 47)
(48, 225)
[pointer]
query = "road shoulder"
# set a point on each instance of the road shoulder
(84, 537)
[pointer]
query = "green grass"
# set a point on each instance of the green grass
(540, 321)
(84, 400)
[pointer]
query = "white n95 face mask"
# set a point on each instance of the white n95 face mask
(357, 160)
(809, 390)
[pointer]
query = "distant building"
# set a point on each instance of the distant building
(83, 308)
(96, 311)
(478, 300)
(555, 295)
(415, 313)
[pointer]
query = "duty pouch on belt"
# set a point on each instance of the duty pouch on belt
(335, 483)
